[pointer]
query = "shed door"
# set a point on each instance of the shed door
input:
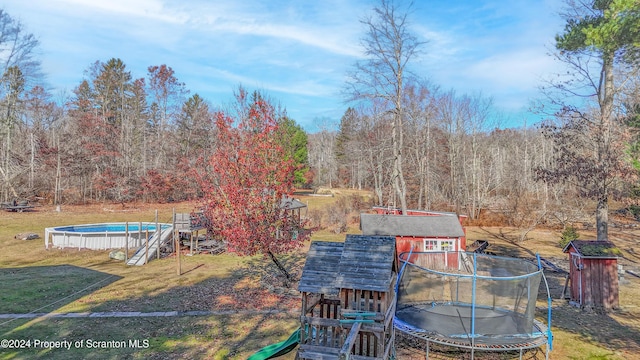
(575, 272)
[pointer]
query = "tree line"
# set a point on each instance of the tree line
(417, 145)
(116, 137)
(453, 159)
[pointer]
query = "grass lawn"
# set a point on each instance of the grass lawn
(206, 337)
(250, 307)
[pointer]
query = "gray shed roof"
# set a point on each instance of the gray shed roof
(445, 225)
(361, 262)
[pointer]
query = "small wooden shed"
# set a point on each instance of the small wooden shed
(593, 274)
(434, 232)
(348, 299)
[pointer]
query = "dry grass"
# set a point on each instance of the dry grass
(35, 279)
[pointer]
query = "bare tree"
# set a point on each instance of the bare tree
(452, 116)
(479, 177)
(322, 158)
(17, 65)
(18, 48)
(40, 117)
(389, 47)
(167, 94)
(374, 130)
(12, 83)
(421, 110)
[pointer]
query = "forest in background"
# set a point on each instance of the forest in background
(119, 137)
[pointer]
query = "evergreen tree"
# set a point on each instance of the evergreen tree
(294, 140)
(589, 152)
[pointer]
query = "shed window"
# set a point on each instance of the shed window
(446, 245)
(430, 245)
(438, 245)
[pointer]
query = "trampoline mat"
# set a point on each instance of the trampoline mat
(491, 326)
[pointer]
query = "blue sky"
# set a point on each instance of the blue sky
(297, 51)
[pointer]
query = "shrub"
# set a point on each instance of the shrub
(315, 217)
(568, 235)
(336, 215)
(360, 203)
(635, 211)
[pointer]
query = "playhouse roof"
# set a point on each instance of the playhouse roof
(320, 269)
(367, 263)
(445, 225)
(593, 248)
(289, 203)
(361, 262)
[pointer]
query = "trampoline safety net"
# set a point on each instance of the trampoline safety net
(469, 298)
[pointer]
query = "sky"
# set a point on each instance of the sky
(298, 52)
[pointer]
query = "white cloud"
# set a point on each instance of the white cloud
(336, 35)
(519, 70)
(142, 9)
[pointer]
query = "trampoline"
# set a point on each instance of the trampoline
(471, 300)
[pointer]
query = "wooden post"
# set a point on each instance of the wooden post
(191, 243)
(176, 235)
(139, 234)
(158, 237)
(176, 243)
(126, 242)
(146, 244)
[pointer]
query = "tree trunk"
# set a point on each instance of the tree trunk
(280, 267)
(399, 183)
(602, 217)
(606, 110)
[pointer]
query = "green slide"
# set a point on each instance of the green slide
(279, 349)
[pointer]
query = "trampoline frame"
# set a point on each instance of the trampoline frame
(545, 336)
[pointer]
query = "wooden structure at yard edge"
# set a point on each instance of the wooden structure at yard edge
(593, 274)
(348, 299)
(16, 206)
(188, 225)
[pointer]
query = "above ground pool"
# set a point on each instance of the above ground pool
(100, 236)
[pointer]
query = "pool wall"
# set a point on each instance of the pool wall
(100, 236)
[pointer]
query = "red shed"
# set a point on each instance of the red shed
(432, 232)
(593, 274)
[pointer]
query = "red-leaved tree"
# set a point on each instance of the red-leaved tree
(245, 181)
